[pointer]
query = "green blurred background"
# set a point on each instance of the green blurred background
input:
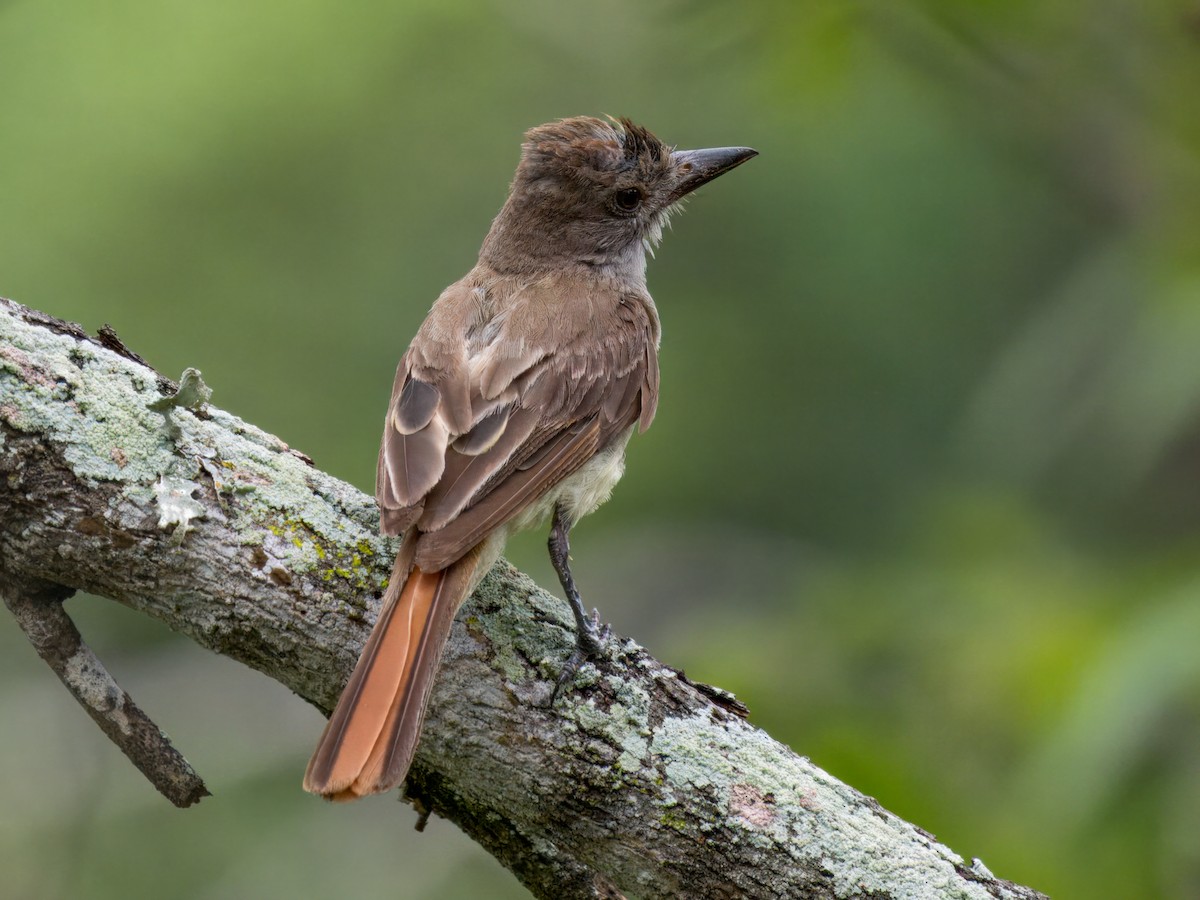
(923, 485)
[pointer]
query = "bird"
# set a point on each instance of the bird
(512, 405)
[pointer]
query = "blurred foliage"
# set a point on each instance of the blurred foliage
(923, 486)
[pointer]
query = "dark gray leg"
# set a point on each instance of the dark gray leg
(589, 636)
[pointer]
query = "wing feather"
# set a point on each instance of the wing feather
(495, 403)
(438, 549)
(415, 406)
(465, 475)
(484, 433)
(414, 462)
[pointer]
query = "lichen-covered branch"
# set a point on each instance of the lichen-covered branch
(634, 783)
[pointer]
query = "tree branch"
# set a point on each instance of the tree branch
(38, 609)
(636, 782)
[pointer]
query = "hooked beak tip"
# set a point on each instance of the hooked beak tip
(698, 167)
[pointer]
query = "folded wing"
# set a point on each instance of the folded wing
(475, 433)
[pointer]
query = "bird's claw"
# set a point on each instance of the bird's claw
(591, 638)
(589, 644)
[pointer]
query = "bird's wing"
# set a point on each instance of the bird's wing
(481, 427)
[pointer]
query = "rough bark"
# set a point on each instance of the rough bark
(636, 783)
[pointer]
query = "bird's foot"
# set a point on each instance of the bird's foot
(590, 637)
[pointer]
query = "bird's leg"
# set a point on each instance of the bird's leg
(589, 636)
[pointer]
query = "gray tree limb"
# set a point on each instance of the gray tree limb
(38, 609)
(636, 783)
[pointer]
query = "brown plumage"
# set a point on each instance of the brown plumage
(514, 401)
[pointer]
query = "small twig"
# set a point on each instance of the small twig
(38, 610)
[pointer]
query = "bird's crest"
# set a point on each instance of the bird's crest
(592, 148)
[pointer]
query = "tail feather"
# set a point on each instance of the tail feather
(390, 758)
(369, 741)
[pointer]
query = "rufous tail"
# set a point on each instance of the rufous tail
(369, 742)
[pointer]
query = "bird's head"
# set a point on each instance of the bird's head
(598, 192)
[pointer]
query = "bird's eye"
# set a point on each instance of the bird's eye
(628, 200)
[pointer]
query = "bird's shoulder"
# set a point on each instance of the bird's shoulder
(488, 329)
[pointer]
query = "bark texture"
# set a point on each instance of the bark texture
(636, 783)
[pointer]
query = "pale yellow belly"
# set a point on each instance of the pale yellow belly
(582, 492)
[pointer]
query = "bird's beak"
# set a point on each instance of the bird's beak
(697, 167)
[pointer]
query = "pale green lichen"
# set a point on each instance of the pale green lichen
(108, 432)
(672, 820)
(301, 549)
(746, 768)
(516, 633)
(176, 506)
(192, 394)
(631, 714)
(81, 378)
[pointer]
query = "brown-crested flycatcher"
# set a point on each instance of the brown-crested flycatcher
(513, 404)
